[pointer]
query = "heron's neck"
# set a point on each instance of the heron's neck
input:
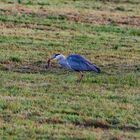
(62, 60)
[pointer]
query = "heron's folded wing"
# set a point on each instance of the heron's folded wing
(79, 63)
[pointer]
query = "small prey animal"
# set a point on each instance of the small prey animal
(75, 62)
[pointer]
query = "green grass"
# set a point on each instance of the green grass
(36, 103)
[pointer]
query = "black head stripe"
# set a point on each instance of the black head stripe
(56, 54)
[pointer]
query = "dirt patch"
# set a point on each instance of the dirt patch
(89, 123)
(105, 125)
(129, 128)
(22, 68)
(25, 67)
(54, 120)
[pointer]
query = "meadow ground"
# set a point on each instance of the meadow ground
(36, 103)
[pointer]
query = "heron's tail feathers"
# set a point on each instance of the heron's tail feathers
(95, 68)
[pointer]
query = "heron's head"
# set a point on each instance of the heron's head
(56, 57)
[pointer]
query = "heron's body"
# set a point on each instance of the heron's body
(76, 62)
(64, 63)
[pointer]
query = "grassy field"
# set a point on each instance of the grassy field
(36, 103)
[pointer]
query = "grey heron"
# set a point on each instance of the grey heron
(75, 62)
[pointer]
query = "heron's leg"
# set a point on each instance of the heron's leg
(80, 77)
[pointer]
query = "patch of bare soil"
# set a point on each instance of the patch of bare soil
(90, 123)
(25, 67)
(96, 124)
(105, 125)
(50, 120)
(129, 128)
(22, 68)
